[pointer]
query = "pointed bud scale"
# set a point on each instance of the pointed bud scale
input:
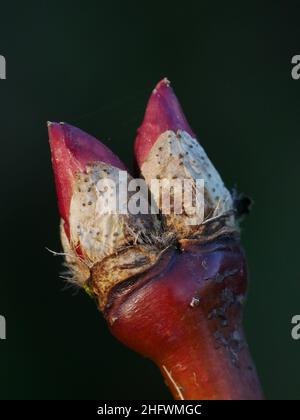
(72, 149)
(163, 113)
(166, 149)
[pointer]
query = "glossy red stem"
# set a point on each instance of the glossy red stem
(185, 315)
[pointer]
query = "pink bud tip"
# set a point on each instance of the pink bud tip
(163, 113)
(72, 150)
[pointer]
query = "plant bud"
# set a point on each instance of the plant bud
(174, 155)
(170, 285)
(98, 233)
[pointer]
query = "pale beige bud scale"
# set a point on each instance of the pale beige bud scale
(113, 246)
(180, 156)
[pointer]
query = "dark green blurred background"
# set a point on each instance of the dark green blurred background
(94, 64)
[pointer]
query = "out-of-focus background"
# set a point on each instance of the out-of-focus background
(93, 64)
